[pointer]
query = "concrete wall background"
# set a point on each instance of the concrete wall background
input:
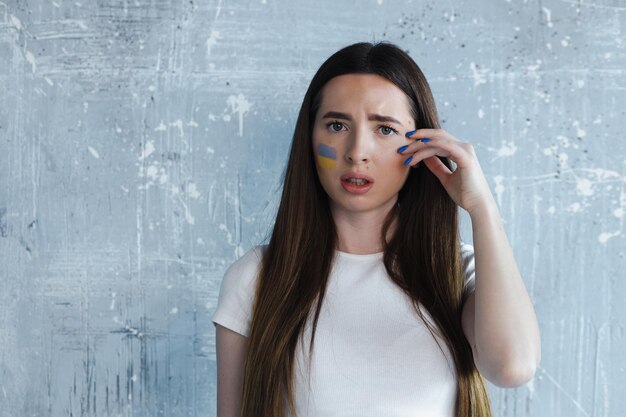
(141, 145)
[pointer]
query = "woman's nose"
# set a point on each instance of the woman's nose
(359, 148)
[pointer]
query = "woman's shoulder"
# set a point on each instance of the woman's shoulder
(236, 295)
(240, 277)
(248, 262)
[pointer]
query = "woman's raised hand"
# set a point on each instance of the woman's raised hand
(467, 184)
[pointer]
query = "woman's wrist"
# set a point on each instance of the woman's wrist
(486, 209)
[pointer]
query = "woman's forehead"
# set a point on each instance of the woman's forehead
(361, 82)
(370, 93)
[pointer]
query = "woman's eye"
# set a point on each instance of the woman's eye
(387, 130)
(336, 126)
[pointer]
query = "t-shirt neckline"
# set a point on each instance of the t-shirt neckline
(364, 256)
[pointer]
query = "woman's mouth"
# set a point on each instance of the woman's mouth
(356, 183)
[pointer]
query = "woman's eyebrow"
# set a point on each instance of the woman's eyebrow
(372, 117)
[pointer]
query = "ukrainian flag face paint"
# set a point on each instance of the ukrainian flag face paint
(326, 156)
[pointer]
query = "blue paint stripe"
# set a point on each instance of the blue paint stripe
(326, 151)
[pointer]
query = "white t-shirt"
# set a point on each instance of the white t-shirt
(373, 356)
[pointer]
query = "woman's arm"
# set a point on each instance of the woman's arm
(498, 317)
(230, 353)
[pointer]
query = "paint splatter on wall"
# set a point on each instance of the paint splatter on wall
(141, 147)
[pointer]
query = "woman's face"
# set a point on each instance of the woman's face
(361, 122)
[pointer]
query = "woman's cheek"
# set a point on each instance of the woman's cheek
(326, 156)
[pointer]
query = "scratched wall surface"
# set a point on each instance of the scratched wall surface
(141, 149)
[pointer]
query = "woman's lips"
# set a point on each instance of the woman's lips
(356, 188)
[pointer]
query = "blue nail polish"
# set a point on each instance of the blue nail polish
(402, 148)
(425, 140)
(410, 133)
(408, 160)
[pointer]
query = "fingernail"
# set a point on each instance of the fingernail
(402, 148)
(408, 160)
(410, 133)
(425, 140)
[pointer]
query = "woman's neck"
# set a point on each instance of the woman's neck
(359, 232)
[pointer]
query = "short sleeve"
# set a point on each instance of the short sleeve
(237, 290)
(467, 256)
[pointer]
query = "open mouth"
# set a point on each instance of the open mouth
(356, 185)
(357, 181)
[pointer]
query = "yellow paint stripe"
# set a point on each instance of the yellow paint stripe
(326, 163)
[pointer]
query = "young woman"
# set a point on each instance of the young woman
(364, 301)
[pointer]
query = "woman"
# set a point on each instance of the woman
(365, 260)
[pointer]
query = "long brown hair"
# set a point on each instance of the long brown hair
(422, 257)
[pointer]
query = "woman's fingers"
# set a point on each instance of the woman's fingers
(465, 183)
(437, 167)
(424, 133)
(443, 146)
(425, 153)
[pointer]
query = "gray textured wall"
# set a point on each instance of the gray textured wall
(141, 145)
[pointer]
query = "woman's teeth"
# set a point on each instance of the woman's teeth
(357, 181)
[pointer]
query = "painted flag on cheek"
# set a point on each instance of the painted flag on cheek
(326, 156)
